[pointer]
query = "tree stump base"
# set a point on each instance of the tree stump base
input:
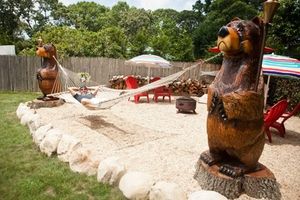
(36, 104)
(258, 184)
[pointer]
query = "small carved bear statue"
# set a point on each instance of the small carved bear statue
(46, 75)
(235, 109)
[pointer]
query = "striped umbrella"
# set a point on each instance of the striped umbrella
(150, 61)
(275, 65)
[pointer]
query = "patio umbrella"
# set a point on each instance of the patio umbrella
(150, 61)
(282, 66)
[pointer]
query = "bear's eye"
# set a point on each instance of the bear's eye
(240, 28)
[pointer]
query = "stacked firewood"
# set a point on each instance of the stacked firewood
(189, 87)
(118, 82)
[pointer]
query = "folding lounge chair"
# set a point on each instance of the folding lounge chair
(272, 115)
(162, 91)
(279, 124)
(131, 83)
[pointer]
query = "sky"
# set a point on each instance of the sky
(178, 5)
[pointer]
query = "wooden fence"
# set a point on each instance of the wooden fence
(18, 73)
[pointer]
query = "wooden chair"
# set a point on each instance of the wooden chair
(162, 91)
(279, 124)
(273, 115)
(131, 83)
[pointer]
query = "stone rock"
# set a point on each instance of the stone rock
(65, 147)
(110, 171)
(22, 108)
(36, 104)
(34, 123)
(27, 117)
(50, 142)
(207, 195)
(41, 133)
(166, 191)
(81, 161)
(136, 185)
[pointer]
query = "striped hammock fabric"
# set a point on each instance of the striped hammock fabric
(275, 65)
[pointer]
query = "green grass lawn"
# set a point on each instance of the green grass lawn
(26, 173)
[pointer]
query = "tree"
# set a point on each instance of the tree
(176, 47)
(83, 15)
(20, 19)
(109, 42)
(188, 21)
(220, 13)
(284, 34)
(9, 21)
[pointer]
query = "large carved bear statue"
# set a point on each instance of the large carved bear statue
(235, 108)
(46, 75)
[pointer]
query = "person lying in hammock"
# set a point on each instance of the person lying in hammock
(85, 95)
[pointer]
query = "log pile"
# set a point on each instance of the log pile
(118, 82)
(189, 87)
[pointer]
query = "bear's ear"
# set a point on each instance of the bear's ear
(236, 19)
(257, 20)
(53, 46)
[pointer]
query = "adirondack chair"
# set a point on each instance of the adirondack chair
(131, 83)
(272, 115)
(279, 124)
(162, 91)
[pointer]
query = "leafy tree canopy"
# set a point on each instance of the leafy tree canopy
(91, 29)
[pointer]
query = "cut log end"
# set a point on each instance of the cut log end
(259, 184)
(35, 104)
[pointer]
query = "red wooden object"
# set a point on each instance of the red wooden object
(162, 91)
(279, 124)
(131, 83)
(273, 115)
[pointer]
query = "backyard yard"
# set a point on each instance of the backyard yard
(28, 174)
(151, 138)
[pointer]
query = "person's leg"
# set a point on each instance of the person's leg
(90, 103)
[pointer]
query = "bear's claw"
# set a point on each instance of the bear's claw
(214, 103)
(222, 112)
(230, 171)
(217, 103)
(39, 77)
(207, 158)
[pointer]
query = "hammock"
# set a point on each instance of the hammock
(64, 81)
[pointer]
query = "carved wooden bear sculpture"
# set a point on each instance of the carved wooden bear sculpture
(46, 75)
(235, 118)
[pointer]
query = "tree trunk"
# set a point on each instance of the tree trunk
(259, 184)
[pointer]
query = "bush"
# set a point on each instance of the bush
(281, 88)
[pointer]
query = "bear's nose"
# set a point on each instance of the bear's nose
(223, 31)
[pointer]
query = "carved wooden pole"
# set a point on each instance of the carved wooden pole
(40, 44)
(270, 7)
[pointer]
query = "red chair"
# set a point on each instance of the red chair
(162, 91)
(131, 83)
(272, 115)
(279, 124)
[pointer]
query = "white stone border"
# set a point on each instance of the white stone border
(133, 184)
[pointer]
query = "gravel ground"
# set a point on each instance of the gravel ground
(154, 138)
